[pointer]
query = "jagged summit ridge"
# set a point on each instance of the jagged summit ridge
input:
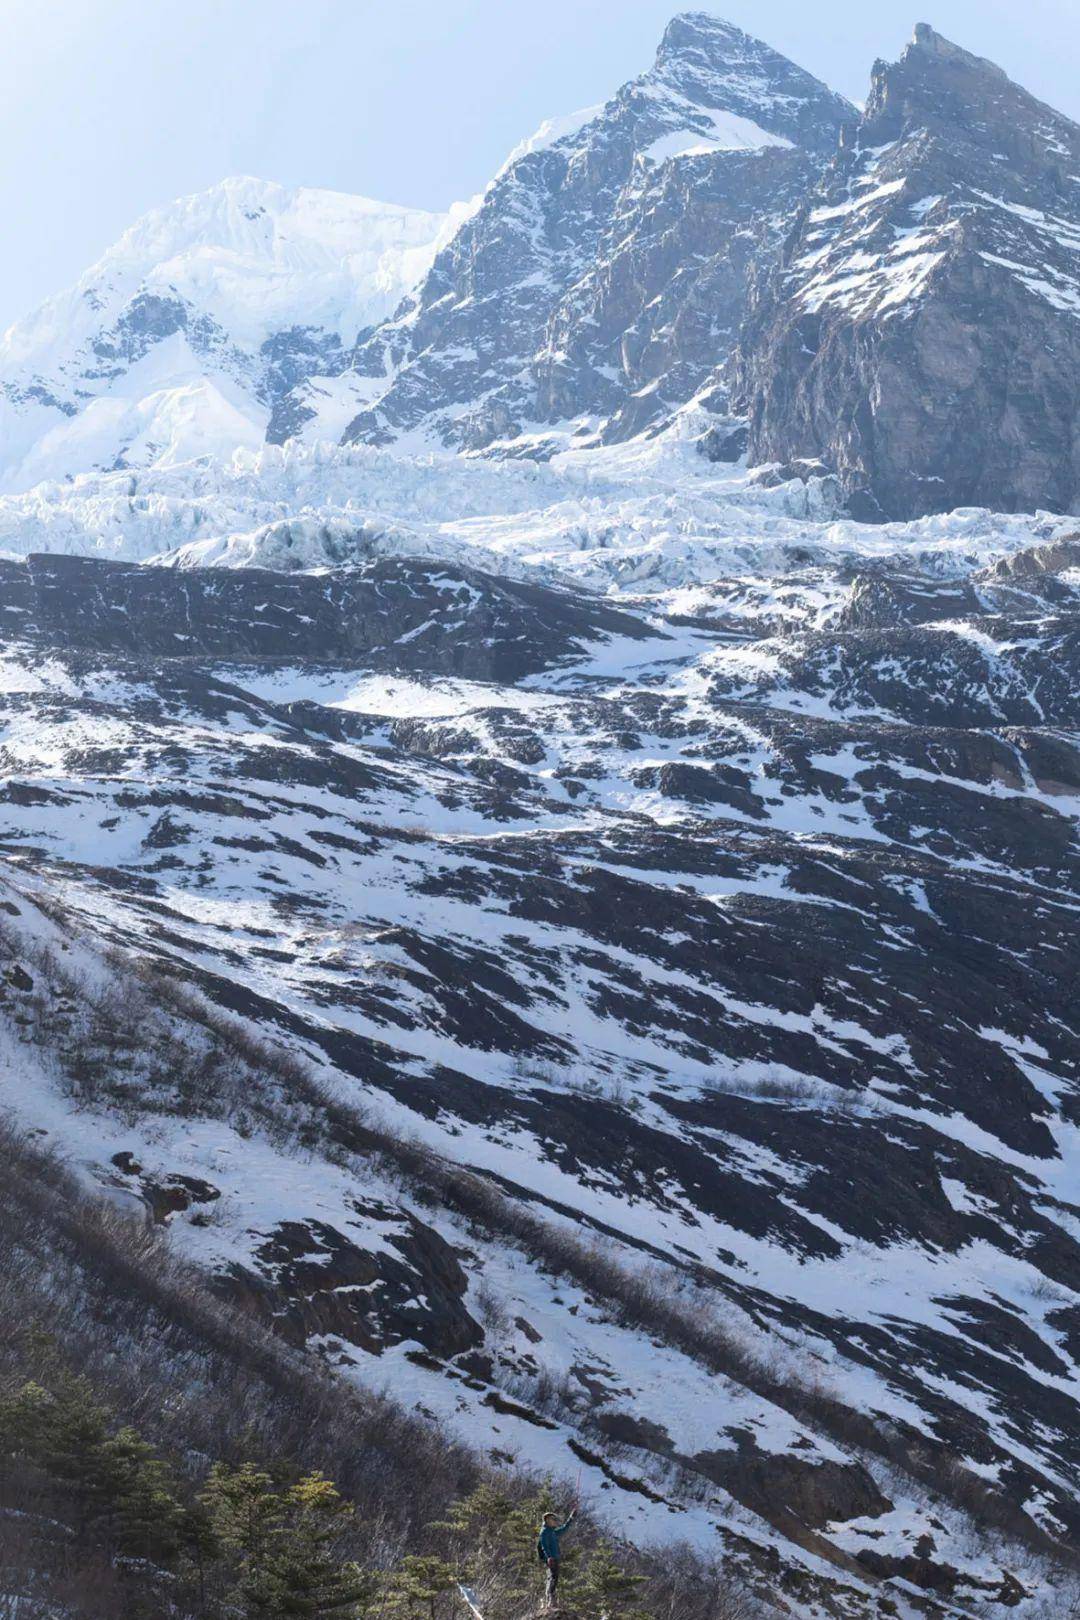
(602, 277)
(698, 56)
(598, 285)
(918, 339)
(922, 333)
(717, 64)
(946, 81)
(927, 39)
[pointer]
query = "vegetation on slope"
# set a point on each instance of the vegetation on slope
(160, 1455)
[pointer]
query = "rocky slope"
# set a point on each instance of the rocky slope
(675, 1036)
(922, 333)
(604, 273)
(420, 614)
(585, 941)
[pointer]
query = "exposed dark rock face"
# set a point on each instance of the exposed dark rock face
(792, 1493)
(922, 331)
(612, 259)
(643, 329)
(290, 359)
(759, 960)
(401, 613)
(313, 1281)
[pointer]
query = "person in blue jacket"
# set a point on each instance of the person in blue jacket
(548, 1550)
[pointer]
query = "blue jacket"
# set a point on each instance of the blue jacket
(548, 1544)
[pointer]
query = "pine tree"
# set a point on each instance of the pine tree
(284, 1544)
(304, 1575)
(243, 1513)
(414, 1588)
(244, 1507)
(139, 1503)
(200, 1565)
(122, 1491)
(606, 1591)
(64, 1431)
(23, 1419)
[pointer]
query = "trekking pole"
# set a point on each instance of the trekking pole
(470, 1598)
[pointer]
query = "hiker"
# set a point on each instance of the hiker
(547, 1550)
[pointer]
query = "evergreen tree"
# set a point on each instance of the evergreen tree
(606, 1591)
(415, 1587)
(122, 1491)
(23, 1417)
(285, 1545)
(64, 1431)
(244, 1508)
(304, 1575)
(202, 1555)
(139, 1502)
(243, 1515)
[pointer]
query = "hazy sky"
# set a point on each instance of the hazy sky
(111, 107)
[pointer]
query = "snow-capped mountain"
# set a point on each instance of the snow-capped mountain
(581, 937)
(600, 288)
(189, 335)
(603, 275)
(922, 335)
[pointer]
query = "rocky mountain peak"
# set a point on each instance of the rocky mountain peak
(716, 65)
(939, 85)
(923, 336)
(927, 41)
(610, 254)
(697, 39)
(603, 277)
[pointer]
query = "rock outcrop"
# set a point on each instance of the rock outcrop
(399, 613)
(922, 332)
(607, 257)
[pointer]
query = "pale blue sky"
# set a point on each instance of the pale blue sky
(111, 107)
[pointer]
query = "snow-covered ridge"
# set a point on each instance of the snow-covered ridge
(736, 107)
(181, 338)
(729, 132)
(250, 313)
(250, 254)
(550, 132)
